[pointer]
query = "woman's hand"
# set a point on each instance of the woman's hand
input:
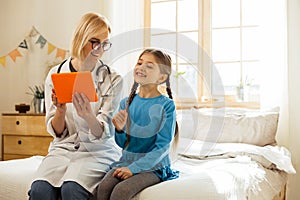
(119, 120)
(82, 105)
(58, 121)
(61, 107)
(122, 173)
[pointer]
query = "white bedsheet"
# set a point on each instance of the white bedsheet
(16, 177)
(233, 178)
(226, 171)
(232, 171)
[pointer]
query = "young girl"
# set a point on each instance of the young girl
(145, 126)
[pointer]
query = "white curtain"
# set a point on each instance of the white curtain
(127, 20)
(274, 82)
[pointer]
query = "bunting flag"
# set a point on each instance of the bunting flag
(23, 44)
(39, 40)
(51, 48)
(33, 32)
(3, 61)
(42, 41)
(60, 53)
(14, 54)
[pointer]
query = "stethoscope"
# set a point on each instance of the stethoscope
(102, 65)
(103, 68)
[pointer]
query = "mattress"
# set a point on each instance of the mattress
(217, 184)
(16, 177)
(229, 171)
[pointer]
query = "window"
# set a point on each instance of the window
(172, 30)
(216, 47)
(235, 45)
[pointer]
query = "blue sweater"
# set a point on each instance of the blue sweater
(152, 127)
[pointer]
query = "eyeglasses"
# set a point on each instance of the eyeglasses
(96, 44)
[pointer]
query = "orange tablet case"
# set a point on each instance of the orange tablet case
(65, 84)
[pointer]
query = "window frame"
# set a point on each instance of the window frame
(205, 98)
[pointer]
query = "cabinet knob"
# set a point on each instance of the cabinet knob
(17, 122)
(19, 141)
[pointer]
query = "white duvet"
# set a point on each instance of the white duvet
(266, 155)
(207, 171)
(232, 171)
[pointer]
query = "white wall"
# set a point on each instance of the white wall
(55, 20)
(294, 94)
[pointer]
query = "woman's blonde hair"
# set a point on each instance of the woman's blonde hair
(91, 24)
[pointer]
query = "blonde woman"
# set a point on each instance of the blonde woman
(83, 146)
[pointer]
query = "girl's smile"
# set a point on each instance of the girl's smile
(147, 71)
(140, 74)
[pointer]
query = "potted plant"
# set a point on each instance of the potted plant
(38, 100)
(243, 89)
(162, 88)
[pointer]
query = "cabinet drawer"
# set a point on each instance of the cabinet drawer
(24, 125)
(14, 156)
(26, 145)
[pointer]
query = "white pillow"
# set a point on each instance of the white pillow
(236, 125)
(185, 123)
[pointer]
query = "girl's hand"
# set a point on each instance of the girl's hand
(119, 120)
(61, 107)
(82, 105)
(122, 173)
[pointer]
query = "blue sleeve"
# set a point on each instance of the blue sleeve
(162, 143)
(120, 136)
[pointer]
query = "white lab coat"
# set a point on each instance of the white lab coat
(78, 155)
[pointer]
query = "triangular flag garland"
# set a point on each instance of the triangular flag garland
(41, 41)
(14, 54)
(33, 32)
(51, 48)
(60, 53)
(23, 44)
(3, 61)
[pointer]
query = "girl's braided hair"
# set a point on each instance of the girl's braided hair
(165, 66)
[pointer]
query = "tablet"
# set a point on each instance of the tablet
(65, 84)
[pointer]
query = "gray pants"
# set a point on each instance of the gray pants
(112, 188)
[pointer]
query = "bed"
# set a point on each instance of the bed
(222, 153)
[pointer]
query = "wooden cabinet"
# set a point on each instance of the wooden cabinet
(24, 135)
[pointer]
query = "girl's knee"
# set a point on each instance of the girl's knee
(121, 191)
